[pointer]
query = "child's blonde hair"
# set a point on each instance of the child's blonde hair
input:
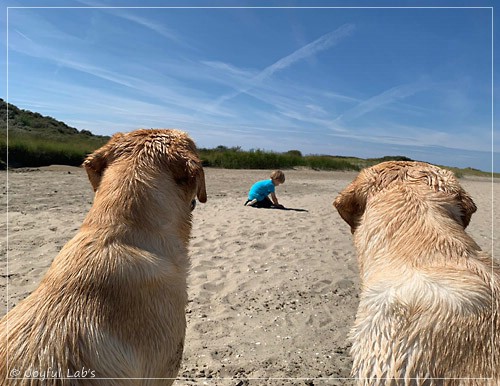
(278, 175)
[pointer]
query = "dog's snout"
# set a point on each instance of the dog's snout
(193, 205)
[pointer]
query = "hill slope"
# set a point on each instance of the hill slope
(37, 140)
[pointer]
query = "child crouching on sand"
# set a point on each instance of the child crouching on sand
(259, 192)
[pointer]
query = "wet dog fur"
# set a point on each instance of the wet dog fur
(112, 304)
(428, 312)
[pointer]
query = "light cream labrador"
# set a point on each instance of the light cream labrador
(430, 298)
(111, 308)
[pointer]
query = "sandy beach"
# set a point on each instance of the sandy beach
(272, 293)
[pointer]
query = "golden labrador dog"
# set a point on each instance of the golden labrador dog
(430, 298)
(111, 308)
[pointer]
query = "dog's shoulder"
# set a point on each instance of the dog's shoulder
(430, 291)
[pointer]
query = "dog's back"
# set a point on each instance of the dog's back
(430, 297)
(420, 325)
(88, 319)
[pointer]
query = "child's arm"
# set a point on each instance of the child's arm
(274, 199)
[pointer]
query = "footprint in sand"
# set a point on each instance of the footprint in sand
(259, 246)
(344, 284)
(212, 287)
(203, 265)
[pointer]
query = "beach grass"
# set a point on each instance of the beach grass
(29, 139)
(235, 158)
(28, 150)
(31, 151)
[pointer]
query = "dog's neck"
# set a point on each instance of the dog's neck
(404, 230)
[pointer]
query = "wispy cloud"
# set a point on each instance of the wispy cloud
(385, 98)
(321, 44)
(229, 69)
(70, 54)
(133, 16)
(297, 103)
(173, 84)
(23, 35)
(155, 27)
(419, 136)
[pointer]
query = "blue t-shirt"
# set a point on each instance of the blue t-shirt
(261, 190)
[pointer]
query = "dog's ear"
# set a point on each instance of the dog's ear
(468, 207)
(196, 172)
(187, 171)
(201, 186)
(96, 163)
(351, 202)
(445, 181)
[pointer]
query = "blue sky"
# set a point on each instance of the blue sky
(363, 82)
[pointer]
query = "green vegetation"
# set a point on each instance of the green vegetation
(36, 140)
(235, 158)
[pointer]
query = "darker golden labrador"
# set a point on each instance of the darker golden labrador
(111, 308)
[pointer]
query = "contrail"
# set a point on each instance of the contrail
(385, 98)
(321, 44)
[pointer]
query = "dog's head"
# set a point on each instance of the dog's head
(351, 202)
(151, 151)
